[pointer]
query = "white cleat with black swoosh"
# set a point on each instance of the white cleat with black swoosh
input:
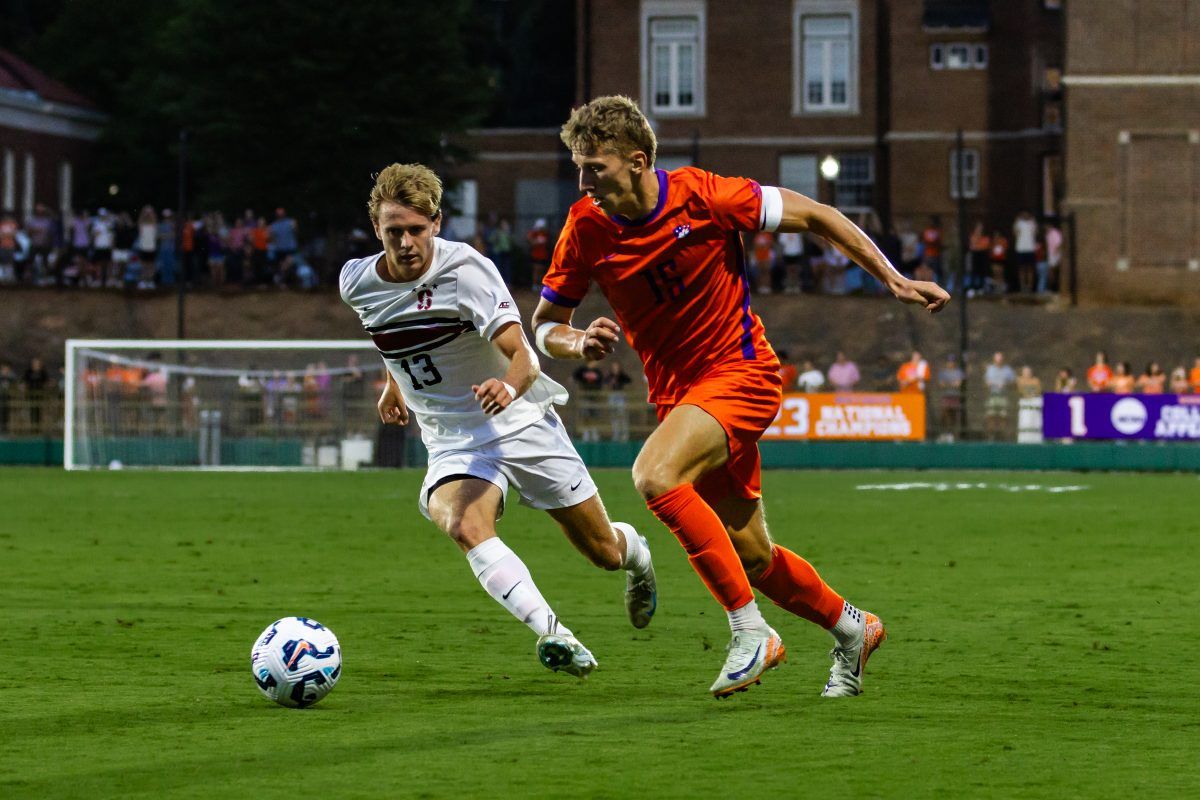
(751, 653)
(849, 663)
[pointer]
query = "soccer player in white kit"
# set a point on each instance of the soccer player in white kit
(458, 361)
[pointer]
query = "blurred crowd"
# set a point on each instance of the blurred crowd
(153, 249)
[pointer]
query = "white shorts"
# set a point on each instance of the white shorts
(538, 461)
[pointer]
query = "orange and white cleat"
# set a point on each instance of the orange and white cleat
(849, 663)
(751, 653)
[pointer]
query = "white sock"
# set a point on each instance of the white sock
(746, 618)
(637, 555)
(848, 630)
(506, 578)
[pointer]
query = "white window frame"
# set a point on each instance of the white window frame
(824, 8)
(655, 9)
(979, 55)
(30, 183)
(937, 56)
(812, 187)
(970, 173)
(843, 186)
(9, 201)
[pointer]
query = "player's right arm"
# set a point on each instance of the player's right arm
(559, 339)
(565, 284)
(391, 402)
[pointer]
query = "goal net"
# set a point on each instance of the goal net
(221, 404)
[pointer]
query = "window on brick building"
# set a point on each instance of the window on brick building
(673, 56)
(826, 48)
(855, 185)
(799, 173)
(970, 181)
(958, 55)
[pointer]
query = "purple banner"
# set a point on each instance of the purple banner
(1174, 417)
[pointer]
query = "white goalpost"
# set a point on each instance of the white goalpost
(220, 404)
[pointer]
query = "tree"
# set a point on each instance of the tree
(285, 103)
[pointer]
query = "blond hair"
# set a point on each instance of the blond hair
(412, 185)
(611, 124)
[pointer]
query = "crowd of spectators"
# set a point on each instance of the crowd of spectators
(151, 249)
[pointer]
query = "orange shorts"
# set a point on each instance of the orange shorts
(744, 399)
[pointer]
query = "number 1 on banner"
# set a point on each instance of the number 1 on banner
(1078, 426)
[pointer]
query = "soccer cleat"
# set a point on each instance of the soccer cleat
(565, 654)
(641, 595)
(751, 653)
(846, 674)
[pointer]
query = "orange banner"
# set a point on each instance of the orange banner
(850, 417)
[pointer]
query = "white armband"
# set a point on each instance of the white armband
(772, 209)
(542, 332)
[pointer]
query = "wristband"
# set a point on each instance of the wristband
(540, 335)
(512, 393)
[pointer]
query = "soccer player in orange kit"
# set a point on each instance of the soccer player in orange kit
(666, 251)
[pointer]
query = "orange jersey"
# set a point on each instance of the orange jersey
(676, 278)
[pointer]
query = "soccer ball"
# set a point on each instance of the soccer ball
(296, 661)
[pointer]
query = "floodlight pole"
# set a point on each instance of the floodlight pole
(963, 245)
(180, 221)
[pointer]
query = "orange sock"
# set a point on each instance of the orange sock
(793, 585)
(703, 536)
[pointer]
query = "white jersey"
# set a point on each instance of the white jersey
(435, 334)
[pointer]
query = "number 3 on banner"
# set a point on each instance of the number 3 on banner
(1078, 426)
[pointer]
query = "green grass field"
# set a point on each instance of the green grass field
(1041, 645)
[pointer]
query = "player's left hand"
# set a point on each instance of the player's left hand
(493, 396)
(923, 293)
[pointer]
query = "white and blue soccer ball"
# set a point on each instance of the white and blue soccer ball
(296, 661)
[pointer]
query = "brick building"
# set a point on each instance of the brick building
(1133, 148)
(769, 88)
(46, 134)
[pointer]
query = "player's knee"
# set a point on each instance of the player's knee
(653, 480)
(466, 532)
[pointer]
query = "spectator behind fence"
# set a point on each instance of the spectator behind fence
(1194, 376)
(8, 248)
(1025, 230)
(1123, 380)
(999, 258)
(913, 374)
(590, 380)
(980, 254)
(1153, 380)
(1065, 381)
(284, 236)
(539, 252)
(1099, 374)
(1054, 256)
(843, 374)
(999, 379)
(788, 372)
(36, 381)
(1179, 380)
(791, 246)
(950, 380)
(931, 239)
(811, 379)
(8, 388)
(1028, 384)
(883, 375)
(42, 229)
(615, 381)
(500, 247)
(762, 261)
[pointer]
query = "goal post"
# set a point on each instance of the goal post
(220, 404)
